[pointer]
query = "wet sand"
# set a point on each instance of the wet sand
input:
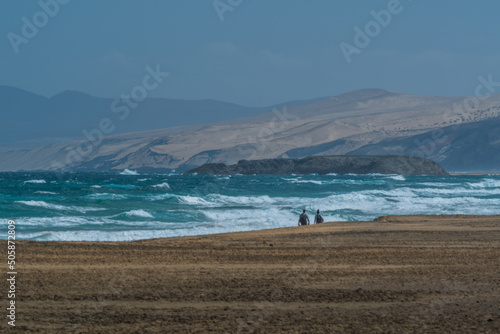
(406, 274)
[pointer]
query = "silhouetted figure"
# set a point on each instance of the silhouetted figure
(318, 219)
(303, 218)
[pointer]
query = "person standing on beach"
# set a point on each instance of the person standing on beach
(303, 218)
(318, 219)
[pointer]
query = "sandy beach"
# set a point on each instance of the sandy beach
(405, 274)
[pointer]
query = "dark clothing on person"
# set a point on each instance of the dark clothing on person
(318, 219)
(303, 219)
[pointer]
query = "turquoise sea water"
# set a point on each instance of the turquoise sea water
(106, 206)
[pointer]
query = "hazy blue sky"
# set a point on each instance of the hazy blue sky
(262, 52)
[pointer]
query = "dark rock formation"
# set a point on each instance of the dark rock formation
(340, 164)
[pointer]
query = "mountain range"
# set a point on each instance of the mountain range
(29, 120)
(164, 135)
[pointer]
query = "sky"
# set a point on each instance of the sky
(249, 52)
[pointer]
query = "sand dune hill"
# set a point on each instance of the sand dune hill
(346, 122)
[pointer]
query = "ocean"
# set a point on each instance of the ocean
(130, 206)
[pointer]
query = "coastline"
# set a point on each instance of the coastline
(420, 274)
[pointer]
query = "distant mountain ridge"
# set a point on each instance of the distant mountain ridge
(369, 121)
(61, 118)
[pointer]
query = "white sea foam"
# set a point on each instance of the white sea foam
(334, 181)
(128, 172)
(269, 217)
(194, 200)
(241, 200)
(159, 197)
(436, 184)
(306, 181)
(36, 181)
(291, 180)
(105, 196)
(139, 213)
(119, 186)
(128, 235)
(58, 222)
(457, 192)
(44, 204)
(51, 206)
(396, 177)
(45, 192)
(396, 192)
(162, 185)
(486, 183)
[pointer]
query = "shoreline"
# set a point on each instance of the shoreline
(378, 219)
(422, 274)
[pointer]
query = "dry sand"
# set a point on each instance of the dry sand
(411, 274)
